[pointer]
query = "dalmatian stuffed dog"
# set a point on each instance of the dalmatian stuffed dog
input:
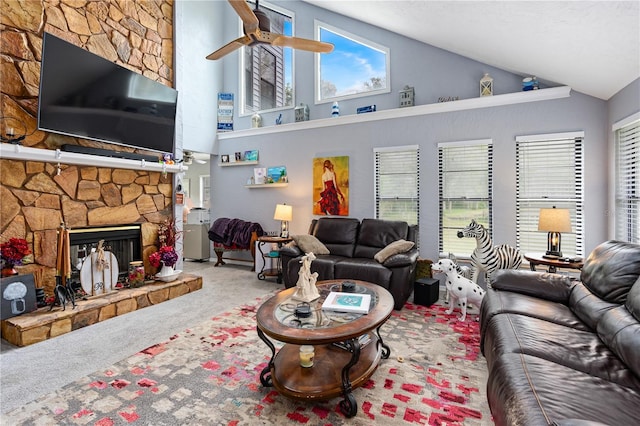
(462, 291)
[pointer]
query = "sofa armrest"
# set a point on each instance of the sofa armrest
(402, 259)
(553, 287)
(290, 251)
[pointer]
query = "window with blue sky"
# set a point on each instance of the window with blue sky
(356, 67)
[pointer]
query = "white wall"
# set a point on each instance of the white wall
(434, 73)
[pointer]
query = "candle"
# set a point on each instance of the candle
(306, 355)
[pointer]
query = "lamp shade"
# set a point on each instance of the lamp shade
(554, 220)
(283, 212)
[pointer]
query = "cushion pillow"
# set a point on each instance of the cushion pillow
(395, 247)
(309, 243)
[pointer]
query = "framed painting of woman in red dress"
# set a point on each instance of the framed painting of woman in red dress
(331, 186)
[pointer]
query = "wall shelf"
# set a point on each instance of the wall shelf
(25, 153)
(437, 108)
(268, 185)
(239, 163)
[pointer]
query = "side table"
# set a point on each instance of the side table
(539, 259)
(271, 254)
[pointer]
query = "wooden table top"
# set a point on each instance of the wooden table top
(333, 327)
(539, 259)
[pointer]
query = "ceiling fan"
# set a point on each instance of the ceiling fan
(257, 27)
(189, 158)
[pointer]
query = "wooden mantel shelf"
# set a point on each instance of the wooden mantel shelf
(438, 108)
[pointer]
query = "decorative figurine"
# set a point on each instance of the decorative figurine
(256, 120)
(486, 85)
(306, 290)
(407, 96)
(335, 110)
(302, 112)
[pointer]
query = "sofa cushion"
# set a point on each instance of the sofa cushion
(587, 306)
(396, 247)
(310, 244)
(526, 390)
(581, 350)
(376, 234)
(620, 331)
(363, 269)
(611, 269)
(339, 235)
(633, 300)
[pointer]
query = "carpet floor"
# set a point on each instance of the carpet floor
(208, 374)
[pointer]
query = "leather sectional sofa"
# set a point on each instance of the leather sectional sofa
(563, 351)
(352, 245)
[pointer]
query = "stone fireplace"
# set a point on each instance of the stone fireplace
(38, 196)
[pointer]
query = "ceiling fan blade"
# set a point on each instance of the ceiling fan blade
(249, 19)
(301, 43)
(230, 47)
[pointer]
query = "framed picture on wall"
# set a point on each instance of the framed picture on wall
(277, 174)
(224, 158)
(331, 186)
(251, 155)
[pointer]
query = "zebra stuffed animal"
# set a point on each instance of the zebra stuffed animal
(487, 257)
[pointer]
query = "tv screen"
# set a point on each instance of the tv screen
(84, 95)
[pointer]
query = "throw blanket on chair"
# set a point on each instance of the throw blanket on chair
(232, 235)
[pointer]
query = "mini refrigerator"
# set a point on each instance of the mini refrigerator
(196, 241)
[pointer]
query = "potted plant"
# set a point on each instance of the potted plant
(13, 253)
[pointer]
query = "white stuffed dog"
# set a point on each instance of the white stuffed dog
(462, 291)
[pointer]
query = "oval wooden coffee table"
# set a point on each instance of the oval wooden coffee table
(336, 370)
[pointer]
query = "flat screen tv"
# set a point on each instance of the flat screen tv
(84, 95)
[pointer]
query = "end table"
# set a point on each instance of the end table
(539, 259)
(271, 254)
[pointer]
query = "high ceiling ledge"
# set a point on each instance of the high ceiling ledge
(438, 108)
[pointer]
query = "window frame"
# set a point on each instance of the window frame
(287, 52)
(377, 152)
(626, 203)
(488, 166)
(318, 25)
(527, 224)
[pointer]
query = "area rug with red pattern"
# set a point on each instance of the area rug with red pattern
(209, 375)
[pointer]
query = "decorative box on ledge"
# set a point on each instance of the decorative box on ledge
(43, 324)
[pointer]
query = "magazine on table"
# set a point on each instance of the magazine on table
(347, 302)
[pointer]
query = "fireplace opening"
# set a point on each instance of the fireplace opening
(124, 241)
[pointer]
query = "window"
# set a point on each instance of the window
(465, 171)
(627, 168)
(397, 183)
(267, 71)
(205, 191)
(549, 172)
(356, 67)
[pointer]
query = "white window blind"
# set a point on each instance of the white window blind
(549, 172)
(627, 217)
(465, 171)
(397, 184)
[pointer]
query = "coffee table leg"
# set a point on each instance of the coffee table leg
(348, 405)
(265, 375)
(386, 350)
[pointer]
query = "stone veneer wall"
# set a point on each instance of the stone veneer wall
(36, 197)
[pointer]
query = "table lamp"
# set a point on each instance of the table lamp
(554, 221)
(284, 214)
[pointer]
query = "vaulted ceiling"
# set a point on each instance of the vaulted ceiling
(592, 46)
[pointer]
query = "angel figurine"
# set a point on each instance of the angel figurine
(306, 290)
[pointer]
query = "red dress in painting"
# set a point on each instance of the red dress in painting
(329, 203)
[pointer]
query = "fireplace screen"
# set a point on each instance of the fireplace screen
(124, 241)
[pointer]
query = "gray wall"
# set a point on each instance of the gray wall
(434, 73)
